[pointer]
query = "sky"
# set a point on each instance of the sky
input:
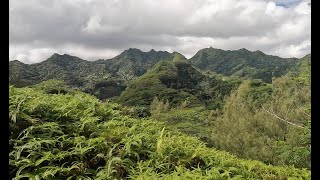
(100, 29)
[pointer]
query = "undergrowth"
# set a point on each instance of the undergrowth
(76, 136)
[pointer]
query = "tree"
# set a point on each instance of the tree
(53, 86)
(276, 131)
(157, 106)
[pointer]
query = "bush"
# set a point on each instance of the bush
(75, 136)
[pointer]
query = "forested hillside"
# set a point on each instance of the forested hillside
(158, 115)
(177, 82)
(243, 63)
(102, 78)
(73, 135)
(133, 62)
(267, 122)
(106, 78)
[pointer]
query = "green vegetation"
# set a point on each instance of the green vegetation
(195, 121)
(243, 63)
(53, 87)
(276, 130)
(176, 81)
(272, 120)
(75, 136)
(175, 118)
(108, 78)
(133, 62)
(102, 78)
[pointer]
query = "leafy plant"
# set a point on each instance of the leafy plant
(76, 136)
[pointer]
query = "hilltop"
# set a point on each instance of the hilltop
(243, 63)
(107, 78)
(175, 80)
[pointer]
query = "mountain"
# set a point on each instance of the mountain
(84, 137)
(107, 78)
(303, 68)
(21, 74)
(175, 80)
(103, 78)
(84, 75)
(133, 62)
(242, 63)
(65, 67)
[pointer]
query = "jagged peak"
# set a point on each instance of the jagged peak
(132, 50)
(212, 48)
(306, 56)
(129, 52)
(133, 53)
(63, 58)
(259, 52)
(178, 56)
(15, 61)
(243, 49)
(140, 51)
(63, 55)
(54, 55)
(209, 49)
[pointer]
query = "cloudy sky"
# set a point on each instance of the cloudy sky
(94, 29)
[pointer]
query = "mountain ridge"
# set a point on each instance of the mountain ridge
(105, 77)
(152, 50)
(242, 63)
(174, 81)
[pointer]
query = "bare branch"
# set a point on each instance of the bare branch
(274, 115)
(305, 113)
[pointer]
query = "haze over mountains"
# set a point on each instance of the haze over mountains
(107, 78)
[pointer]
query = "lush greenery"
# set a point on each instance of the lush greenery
(243, 63)
(102, 78)
(276, 130)
(272, 120)
(175, 118)
(177, 81)
(107, 78)
(133, 62)
(73, 135)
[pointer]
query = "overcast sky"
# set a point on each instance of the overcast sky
(94, 29)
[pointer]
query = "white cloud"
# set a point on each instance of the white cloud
(294, 50)
(33, 55)
(100, 29)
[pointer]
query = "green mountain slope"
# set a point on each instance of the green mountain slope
(133, 62)
(176, 81)
(108, 78)
(71, 69)
(76, 136)
(21, 74)
(78, 73)
(242, 63)
(103, 78)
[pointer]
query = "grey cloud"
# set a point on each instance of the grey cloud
(112, 26)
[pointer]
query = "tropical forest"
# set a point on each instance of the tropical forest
(221, 114)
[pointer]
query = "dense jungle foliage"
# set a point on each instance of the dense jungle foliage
(243, 63)
(176, 81)
(266, 122)
(161, 116)
(107, 78)
(73, 135)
